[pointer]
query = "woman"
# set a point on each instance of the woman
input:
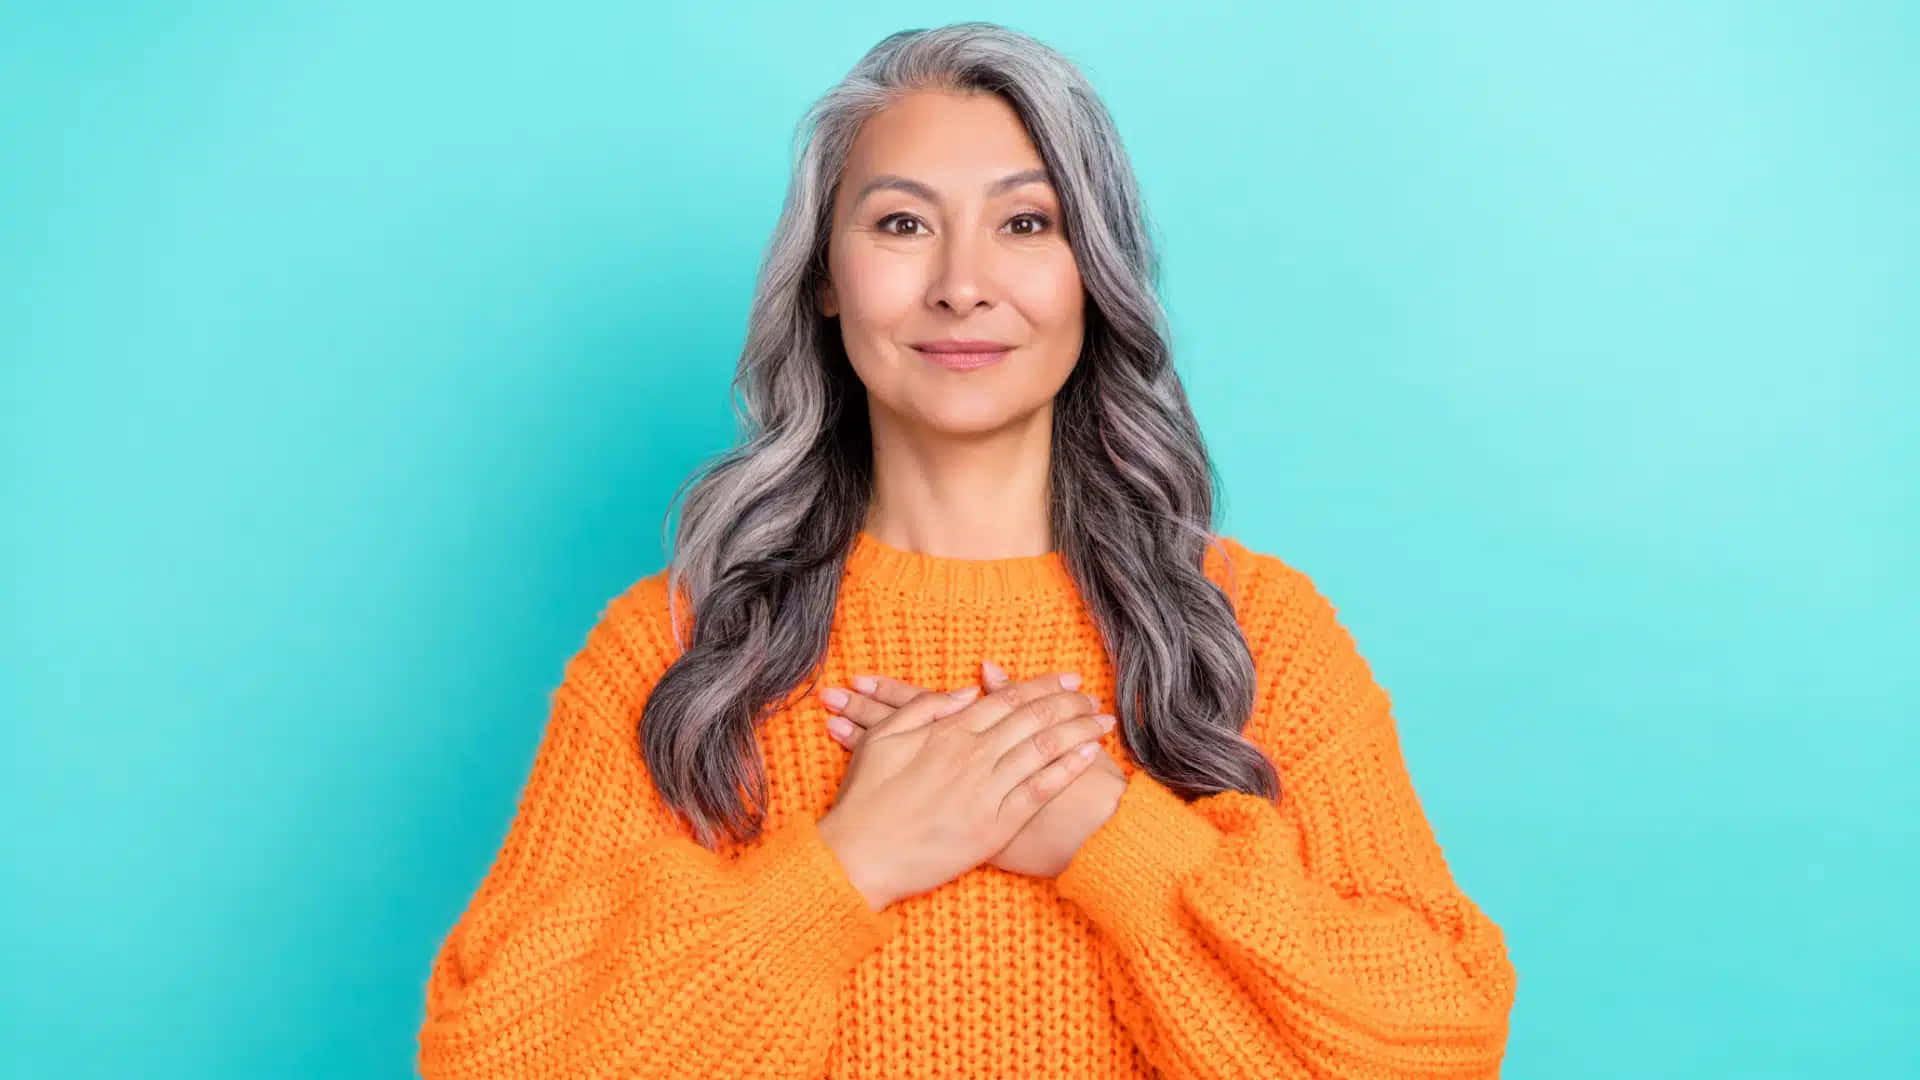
(840, 792)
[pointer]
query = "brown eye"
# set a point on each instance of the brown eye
(884, 222)
(1040, 221)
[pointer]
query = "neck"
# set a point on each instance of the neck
(972, 497)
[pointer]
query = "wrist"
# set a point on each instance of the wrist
(870, 885)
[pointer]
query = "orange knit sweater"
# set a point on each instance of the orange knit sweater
(1320, 936)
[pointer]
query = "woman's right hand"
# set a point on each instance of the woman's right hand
(946, 781)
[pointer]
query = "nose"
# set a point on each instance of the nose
(961, 274)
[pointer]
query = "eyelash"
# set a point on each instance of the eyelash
(1045, 223)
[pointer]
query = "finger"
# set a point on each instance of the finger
(1104, 762)
(872, 699)
(864, 710)
(844, 732)
(993, 707)
(888, 691)
(924, 709)
(993, 676)
(1041, 785)
(1049, 728)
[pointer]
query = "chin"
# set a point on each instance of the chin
(973, 418)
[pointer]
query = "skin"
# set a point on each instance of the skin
(961, 459)
(1048, 842)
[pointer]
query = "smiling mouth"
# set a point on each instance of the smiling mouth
(964, 361)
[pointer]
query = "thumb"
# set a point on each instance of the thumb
(993, 675)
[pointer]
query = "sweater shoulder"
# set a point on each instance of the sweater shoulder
(1316, 687)
(628, 648)
(1278, 604)
(1259, 584)
(1291, 625)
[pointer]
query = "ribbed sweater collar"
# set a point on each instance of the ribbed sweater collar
(1024, 578)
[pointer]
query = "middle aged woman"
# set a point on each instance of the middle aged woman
(1071, 785)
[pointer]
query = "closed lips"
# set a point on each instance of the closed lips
(971, 346)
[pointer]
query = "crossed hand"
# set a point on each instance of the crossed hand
(1048, 841)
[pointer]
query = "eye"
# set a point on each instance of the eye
(1040, 221)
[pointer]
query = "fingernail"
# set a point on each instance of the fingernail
(835, 697)
(1071, 680)
(866, 684)
(993, 671)
(1106, 721)
(839, 726)
(966, 695)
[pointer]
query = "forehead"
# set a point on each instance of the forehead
(950, 141)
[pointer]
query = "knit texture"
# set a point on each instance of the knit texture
(1321, 936)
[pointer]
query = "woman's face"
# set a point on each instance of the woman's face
(929, 244)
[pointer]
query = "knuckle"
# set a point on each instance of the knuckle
(1000, 702)
(1050, 741)
(1061, 703)
(1041, 709)
(1068, 704)
(1018, 693)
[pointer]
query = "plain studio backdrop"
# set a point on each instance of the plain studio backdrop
(350, 353)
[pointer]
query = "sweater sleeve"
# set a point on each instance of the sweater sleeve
(1321, 937)
(605, 942)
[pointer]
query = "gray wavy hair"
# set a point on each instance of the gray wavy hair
(766, 527)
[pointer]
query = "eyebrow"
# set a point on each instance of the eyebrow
(922, 191)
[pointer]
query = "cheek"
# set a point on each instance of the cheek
(874, 290)
(1053, 296)
(1055, 306)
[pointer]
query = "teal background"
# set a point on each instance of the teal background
(351, 352)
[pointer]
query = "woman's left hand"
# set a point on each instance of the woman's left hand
(1050, 839)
